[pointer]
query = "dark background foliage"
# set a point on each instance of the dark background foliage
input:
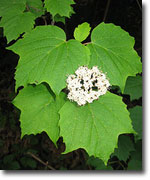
(38, 152)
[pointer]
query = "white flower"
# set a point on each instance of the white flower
(86, 85)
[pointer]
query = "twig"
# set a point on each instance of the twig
(42, 162)
(112, 162)
(52, 23)
(139, 5)
(44, 18)
(86, 43)
(106, 10)
(122, 165)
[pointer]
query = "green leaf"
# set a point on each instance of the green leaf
(36, 7)
(16, 25)
(136, 116)
(96, 126)
(134, 87)
(15, 20)
(63, 8)
(97, 164)
(135, 162)
(18, 16)
(28, 162)
(112, 50)
(5, 8)
(82, 31)
(45, 56)
(125, 146)
(58, 18)
(10, 162)
(39, 111)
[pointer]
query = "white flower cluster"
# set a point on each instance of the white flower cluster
(86, 85)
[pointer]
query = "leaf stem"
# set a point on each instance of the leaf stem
(52, 23)
(44, 18)
(87, 43)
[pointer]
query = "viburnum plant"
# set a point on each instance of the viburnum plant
(66, 84)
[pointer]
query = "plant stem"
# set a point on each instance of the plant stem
(86, 43)
(44, 18)
(42, 162)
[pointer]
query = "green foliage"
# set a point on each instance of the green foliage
(58, 18)
(36, 7)
(102, 128)
(135, 162)
(134, 87)
(97, 164)
(136, 116)
(5, 8)
(92, 125)
(82, 31)
(45, 56)
(112, 50)
(63, 8)
(42, 115)
(18, 17)
(8, 158)
(28, 162)
(125, 146)
(13, 28)
(10, 163)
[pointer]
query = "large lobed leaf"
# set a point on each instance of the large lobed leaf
(96, 126)
(39, 111)
(112, 50)
(63, 8)
(45, 56)
(18, 16)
